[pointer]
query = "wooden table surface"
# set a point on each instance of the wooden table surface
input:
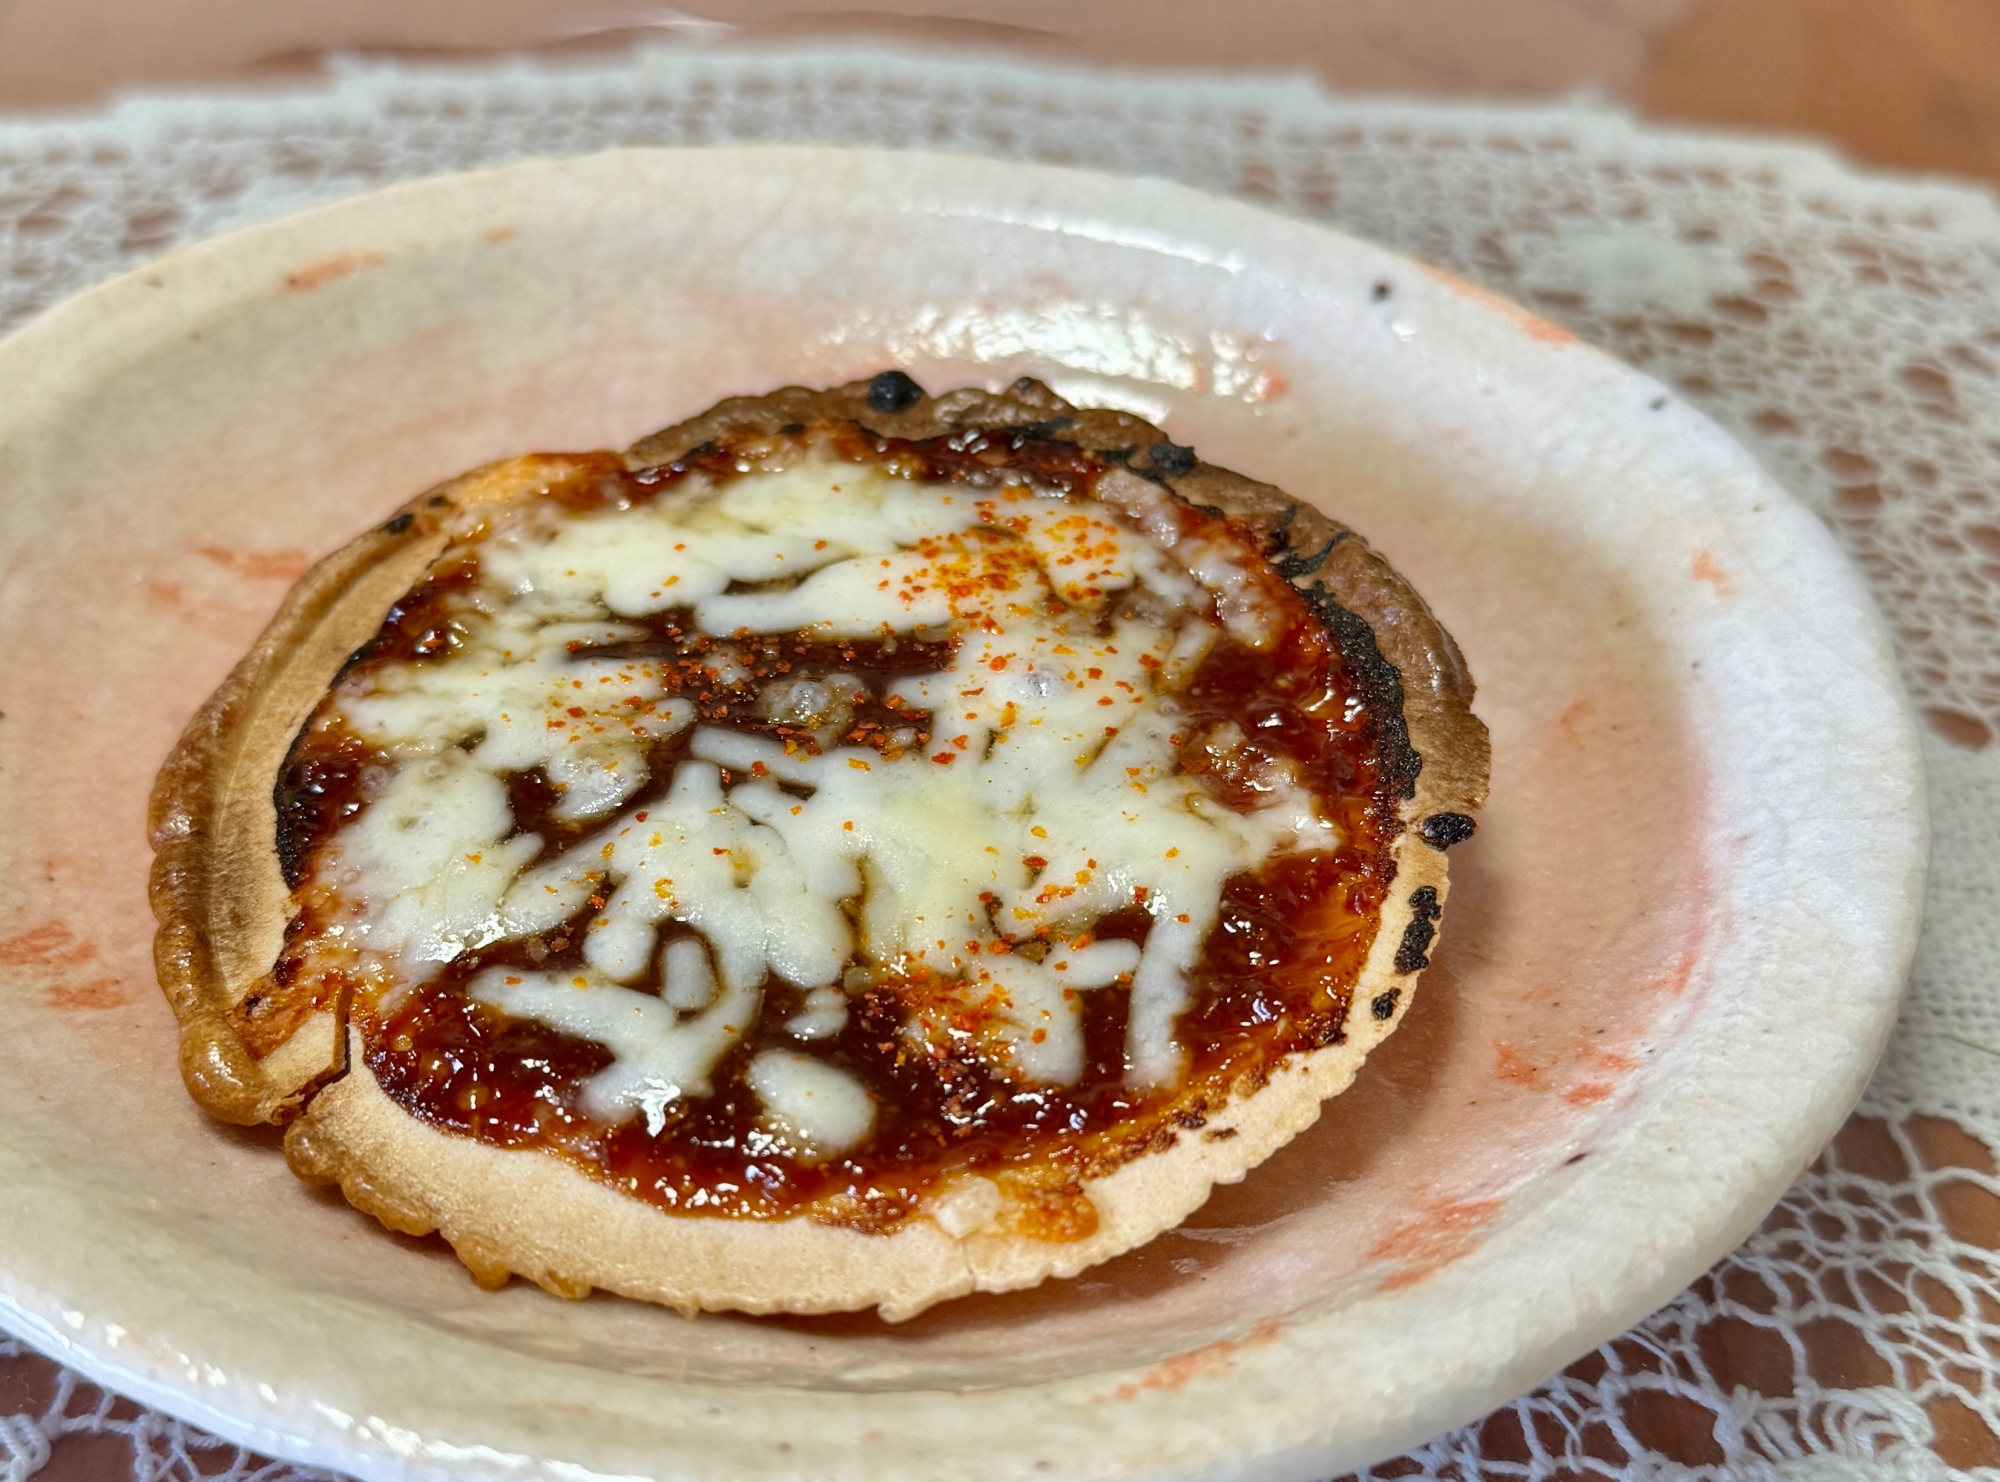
(1913, 84)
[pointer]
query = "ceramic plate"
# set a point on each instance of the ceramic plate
(1674, 948)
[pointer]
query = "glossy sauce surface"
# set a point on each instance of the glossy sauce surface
(1275, 977)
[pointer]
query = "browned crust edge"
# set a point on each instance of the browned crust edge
(216, 889)
(222, 905)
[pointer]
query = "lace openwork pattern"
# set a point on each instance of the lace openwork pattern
(1846, 328)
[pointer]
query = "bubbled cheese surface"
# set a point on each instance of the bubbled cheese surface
(1047, 795)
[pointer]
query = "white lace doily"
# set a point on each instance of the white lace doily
(1846, 328)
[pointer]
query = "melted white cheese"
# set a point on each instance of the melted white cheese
(659, 1054)
(517, 695)
(817, 1108)
(431, 856)
(1036, 1008)
(1047, 797)
(823, 1016)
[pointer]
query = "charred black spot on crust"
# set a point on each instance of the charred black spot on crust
(1383, 288)
(892, 391)
(1381, 682)
(1219, 1134)
(1123, 457)
(792, 429)
(1381, 687)
(1383, 1006)
(347, 664)
(1292, 565)
(1442, 830)
(1411, 953)
(1039, 431)
(293, 843)
(399, 524)
(437, 501)
(1170, 457)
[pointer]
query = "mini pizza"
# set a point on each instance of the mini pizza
(852, 849)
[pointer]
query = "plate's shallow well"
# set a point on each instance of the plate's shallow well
(1673, 949)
